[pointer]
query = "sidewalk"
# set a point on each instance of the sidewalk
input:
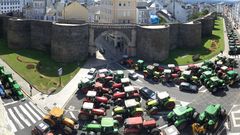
(46, 102)
(5, 128)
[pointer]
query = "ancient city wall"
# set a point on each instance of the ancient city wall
(41, 32)
(190, 35)
(19, 33)
(153, 42)
(69, 42)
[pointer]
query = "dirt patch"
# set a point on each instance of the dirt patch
(30, 66)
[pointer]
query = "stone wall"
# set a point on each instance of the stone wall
(41, 32)
(69, 42)
(3, 26)
(153, 42)
(190, 35)
(19, 33)
(174, 35)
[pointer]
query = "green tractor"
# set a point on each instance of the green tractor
(232, 77)
(163, 101)
(139, 66)
(182, 116)
(203, 69)
(16, 90)
(205, 76)
(214, 84)
(85, 85)
(188, 77)
(118, 75)
(210, 119)
(209, 64)
(108, 126)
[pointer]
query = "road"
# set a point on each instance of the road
(229, 99)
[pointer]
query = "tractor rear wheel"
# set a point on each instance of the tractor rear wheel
(118, 102)
(119, 118)
(182, 126)
(67, 130)
(91, 133)
(195, 116)
(155, 131)
(170, 105)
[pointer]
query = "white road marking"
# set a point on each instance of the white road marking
(205, 90)
(226, 125)
(235, 118)
(31, 110)
(39, 111)
(22, 117)
(72, 115)
(14, 129)
(28, 114)
(139, 80)
(15, 119)
(10, 103)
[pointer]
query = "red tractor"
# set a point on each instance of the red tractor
(99, 101)
(103, 91)
(158, 68)
(193, 68)
(127, 61)
(174, 69)
(136, 126)
(168, 76)
(89, 112)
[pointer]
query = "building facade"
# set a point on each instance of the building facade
(39, 9)
(8, 6)
(118, 11)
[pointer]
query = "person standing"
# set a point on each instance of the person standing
(30, 86)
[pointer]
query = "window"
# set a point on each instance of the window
(124, 4)
(120, 4)
(129, 3)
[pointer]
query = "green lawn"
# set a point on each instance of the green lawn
(181, 56)
(42, 76)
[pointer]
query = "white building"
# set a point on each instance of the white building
(143, 13)
(39, 9)
(220, 7)
(7, 6)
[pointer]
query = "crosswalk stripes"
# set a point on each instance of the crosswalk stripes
(23, 115)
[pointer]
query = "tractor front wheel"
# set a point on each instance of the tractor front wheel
(155, 131)
(170, 105)
(82, 116)
(67, 130)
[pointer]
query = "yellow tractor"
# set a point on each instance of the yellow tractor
(198, 129)
(56, 120)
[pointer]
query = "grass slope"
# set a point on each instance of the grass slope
(182, 56)
(42, 76)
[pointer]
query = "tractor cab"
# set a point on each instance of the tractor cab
(42, 128)
(118, 75)
(105, 71)
(157, 67)
(232, 77)
(17, 91)
(209, 64)
(187, 74)
(133, 107)
(173, 68)
(215, 83)
(203, 69)
(127, 61)
(109, 125)
(125, 82)
(131, 92)
(139, 65)
(88, 111)
(85, 85)
(165, 100)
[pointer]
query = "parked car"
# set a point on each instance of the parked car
(2, 91)
(133, 75)
(92, 73)
(185, 86)
(147, 93)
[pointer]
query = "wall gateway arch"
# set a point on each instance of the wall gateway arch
(128, 32)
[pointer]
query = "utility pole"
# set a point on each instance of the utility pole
(174, 8)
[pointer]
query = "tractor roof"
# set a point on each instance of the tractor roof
(125, 80)
(131, 103)
(214, 78)
(167, 71)
(207, 73)
(187, 72)
(119, 72)
(219, 62)
(85, 80)
(129, 89)
(107, 122)
(171, 66)
(91, 94)
(87, 105)
(56, 112)
(204, 67)
(232, 72)
(163, 95)
(16, 86)
(155, 64)
(125, 56)
(212, 109)
(42, 126)
(224, 68)
(150, 67)
(104, 70)
(92, 70)
(181, 110)
(134, 121)
(94, 126)
(140, 61)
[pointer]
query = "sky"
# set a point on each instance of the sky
(212, 1)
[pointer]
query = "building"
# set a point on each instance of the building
(118, 11)
(75, 11)
(143, 13)
(39, 9)
(8, 6)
